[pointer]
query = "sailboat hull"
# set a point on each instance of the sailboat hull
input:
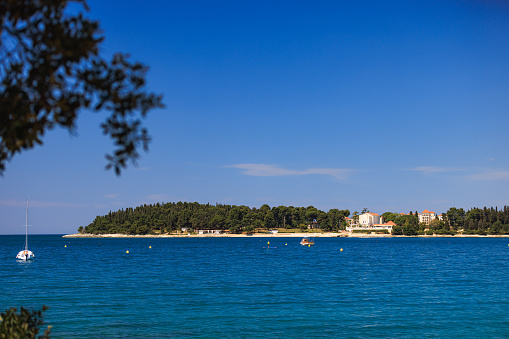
(25, 255)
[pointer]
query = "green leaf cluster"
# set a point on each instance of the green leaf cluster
(25, 324)
(51, 70)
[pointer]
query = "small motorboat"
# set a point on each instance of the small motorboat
(306, 241)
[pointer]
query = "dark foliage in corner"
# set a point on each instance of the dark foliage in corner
(50, 70)
(25, 324)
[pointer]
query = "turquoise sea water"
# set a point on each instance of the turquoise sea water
(235, 288)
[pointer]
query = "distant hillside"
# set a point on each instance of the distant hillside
(171, 217)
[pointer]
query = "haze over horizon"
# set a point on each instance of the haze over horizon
(391, 106)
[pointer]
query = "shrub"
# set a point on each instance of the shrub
(25, 324)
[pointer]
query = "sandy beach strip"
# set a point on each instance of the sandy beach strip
(211, 235)
(277, 235)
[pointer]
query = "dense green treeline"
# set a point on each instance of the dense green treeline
(474, 221)
(481, 221)
(170, 217)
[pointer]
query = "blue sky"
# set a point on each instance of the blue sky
(392, 106)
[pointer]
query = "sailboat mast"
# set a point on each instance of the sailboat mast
(26, 229)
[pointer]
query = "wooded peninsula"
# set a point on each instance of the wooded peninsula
(169, 218)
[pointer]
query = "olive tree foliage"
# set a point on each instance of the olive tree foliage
(25, 324)
(51, 69)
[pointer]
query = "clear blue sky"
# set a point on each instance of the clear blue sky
(394, 106)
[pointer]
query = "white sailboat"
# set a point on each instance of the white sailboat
(26, 254)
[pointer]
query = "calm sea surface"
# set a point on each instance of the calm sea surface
(236, 288)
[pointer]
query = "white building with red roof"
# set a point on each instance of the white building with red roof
(426, 216)
(372, 228)
(350, 221)
(369, 219)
